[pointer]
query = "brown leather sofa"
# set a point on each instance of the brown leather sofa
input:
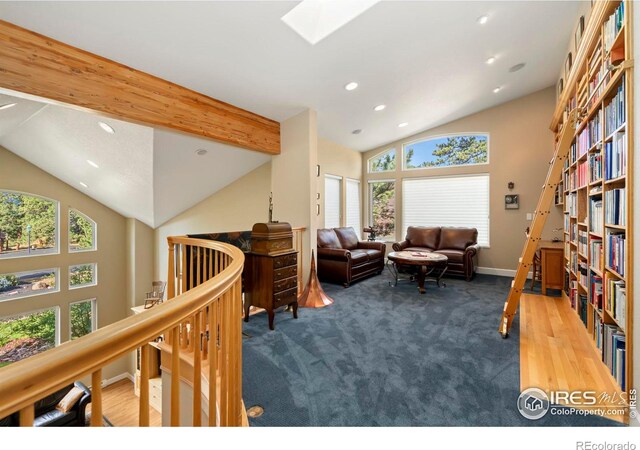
(342, 258)
(460, 245)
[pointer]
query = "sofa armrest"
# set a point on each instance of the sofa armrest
(335, 254)
(83, 402)
(399, 246)
(472, 249)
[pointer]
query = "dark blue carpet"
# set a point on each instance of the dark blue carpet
(388, 356)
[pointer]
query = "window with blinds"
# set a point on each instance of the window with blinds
(353, 206)
(331, 201)
(459, 201)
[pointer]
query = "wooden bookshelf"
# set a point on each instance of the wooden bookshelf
(598, 183)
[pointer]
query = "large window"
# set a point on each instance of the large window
(82, 317)
(353, 205)
(26, 284)
(459, 201)
(332, 203)
(82, 232)
(447, 151)
(27, 334)
(83, 275)
(384, 162)
(382, 195)
(28, 225)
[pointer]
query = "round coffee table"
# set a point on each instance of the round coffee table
(425, 262)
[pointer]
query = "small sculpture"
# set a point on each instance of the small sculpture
(271, 208)
(372, 233)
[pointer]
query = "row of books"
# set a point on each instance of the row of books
(614, 112)
(582, 310)
(616, 251)
(583, 272)
(612, 26)
(595, 167)
(573, 293)
(596, 255)
(615, 152)
(596, 87)
(582, 174)
(616, 299)
(583, 241)
(571, 202)
(573, 152)
(613, 352)
(615, 207)
(584, 143)
(595, 291)
(595, 215)
(573, 232)
(573, 257)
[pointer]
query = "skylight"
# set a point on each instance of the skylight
(314, 20)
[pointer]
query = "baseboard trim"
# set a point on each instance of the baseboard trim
(499, 272)
(117, 378)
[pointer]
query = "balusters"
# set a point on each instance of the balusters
(143, 418)
(197, 373)
(213, 362)
(171, 287)
(27, 415)
(175, 377)
(96, 398)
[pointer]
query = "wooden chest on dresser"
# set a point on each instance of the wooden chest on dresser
(271, 282)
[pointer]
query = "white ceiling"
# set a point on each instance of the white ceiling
(148, 174)
(424, 60)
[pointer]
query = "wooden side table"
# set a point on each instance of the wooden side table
(551, 259)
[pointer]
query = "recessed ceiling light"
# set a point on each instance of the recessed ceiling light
(498, 89)
(402, 125)
(379, 107)
(83, 185)
(483, 19)
(7, 106)
(516, 67)
(201, 152)
(491, 60)
(106, 128)
(351, 86)
(91, 163)
(358, 131)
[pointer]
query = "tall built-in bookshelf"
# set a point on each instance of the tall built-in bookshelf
(597, 182)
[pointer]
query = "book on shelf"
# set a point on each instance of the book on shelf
(583, 272)
(595, 215)
(582, 173)
(573, 151)
(573, 293)
(597, 334)
(595, 253)
(614, 112)
(616, 299)
(595, 167)
(615, 207)
(595, 291)
(583, 241)
(584, 142)
(612, 26)
(614, 351)
(616, 156)
(616, 251)
(582, 310)
(567, 282)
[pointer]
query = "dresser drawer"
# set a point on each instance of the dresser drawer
(285, 297)
(283, 285)
(285, 260)
(284, 272)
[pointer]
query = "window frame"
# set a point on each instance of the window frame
(370, 182)
(94, 237)
(388, 150)
(94, 315)
(339, 179)
(346, 206)
(55, 270)
(446, 135)
(80, 286)
(461, 175)
(56, 249)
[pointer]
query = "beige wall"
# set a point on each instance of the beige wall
(19, 175)
(234, 208)
(520, 147)
(334, 159)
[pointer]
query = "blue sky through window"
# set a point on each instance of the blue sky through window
(423, 151)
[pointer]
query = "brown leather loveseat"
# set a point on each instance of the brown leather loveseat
(343, 258)
(460, 245)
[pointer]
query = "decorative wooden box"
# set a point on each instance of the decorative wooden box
(271, 238)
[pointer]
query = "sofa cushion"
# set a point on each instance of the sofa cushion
(423, 236)
(455, 256)
(373, 254)
(359, 257)
(327, 238)
(457, 238)
(347, 237)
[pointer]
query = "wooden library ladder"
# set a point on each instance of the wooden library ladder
(539, 219)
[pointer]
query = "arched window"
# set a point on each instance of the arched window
(446, 151)
(28, 225)
(383, 162)
(82, 232)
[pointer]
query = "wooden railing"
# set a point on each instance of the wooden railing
(200, 322)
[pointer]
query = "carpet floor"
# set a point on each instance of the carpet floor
(388, 356)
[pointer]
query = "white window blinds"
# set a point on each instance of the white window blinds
(353, 206)
(460, 201)
(331, 201)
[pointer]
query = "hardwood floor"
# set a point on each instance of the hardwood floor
(557, 354)
(120, 406)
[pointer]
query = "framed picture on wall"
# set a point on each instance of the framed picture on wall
(578, 34)
(511, 201)
(567, 65)
(560, 87)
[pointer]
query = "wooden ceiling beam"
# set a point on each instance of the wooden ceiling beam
(37, 65)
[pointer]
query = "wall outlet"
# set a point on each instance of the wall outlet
(529, 216)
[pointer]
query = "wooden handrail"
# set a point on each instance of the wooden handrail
(26, 381)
